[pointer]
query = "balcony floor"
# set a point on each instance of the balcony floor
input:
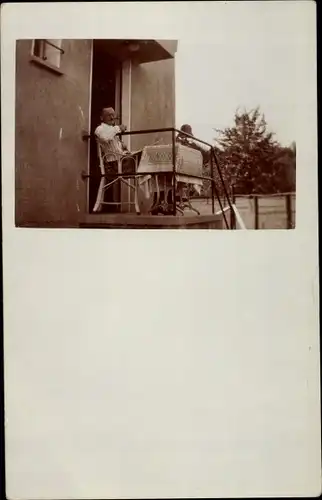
(133, 221)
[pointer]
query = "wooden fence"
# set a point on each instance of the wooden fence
(276, 211)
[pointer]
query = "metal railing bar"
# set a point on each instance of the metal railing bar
(223, 210)
(174, 173)
(212, 184)
(143, 174)
(154, 131)
(53, 45)
(194, 138)
(173, 130)
(222, 179)
(239, 218)
(167, 129)
(265, 195)
(220, 204)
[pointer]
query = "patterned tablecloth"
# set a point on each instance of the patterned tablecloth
(159, 159)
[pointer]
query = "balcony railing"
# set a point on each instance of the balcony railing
(216, 189)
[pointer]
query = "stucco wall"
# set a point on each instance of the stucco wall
(153, 100)
(51, 112)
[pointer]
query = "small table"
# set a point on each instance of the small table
(157, 160)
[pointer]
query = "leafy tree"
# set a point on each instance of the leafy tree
(251, 159)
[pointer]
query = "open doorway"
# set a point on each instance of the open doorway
(106, 92)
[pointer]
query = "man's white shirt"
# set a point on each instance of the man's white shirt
(107, 135)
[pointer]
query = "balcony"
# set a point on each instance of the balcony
(139, 51)
(168, 165)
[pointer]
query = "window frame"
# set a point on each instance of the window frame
(41, 60)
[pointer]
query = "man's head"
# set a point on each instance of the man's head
(108, 116)
(187, 129)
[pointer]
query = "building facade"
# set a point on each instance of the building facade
(61, 87)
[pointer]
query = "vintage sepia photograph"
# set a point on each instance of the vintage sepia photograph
(148, 134)
(160, 364)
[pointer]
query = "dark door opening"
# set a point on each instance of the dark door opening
(106, 72)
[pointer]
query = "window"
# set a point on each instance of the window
(48, 51)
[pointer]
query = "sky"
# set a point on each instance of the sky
(251, 60)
